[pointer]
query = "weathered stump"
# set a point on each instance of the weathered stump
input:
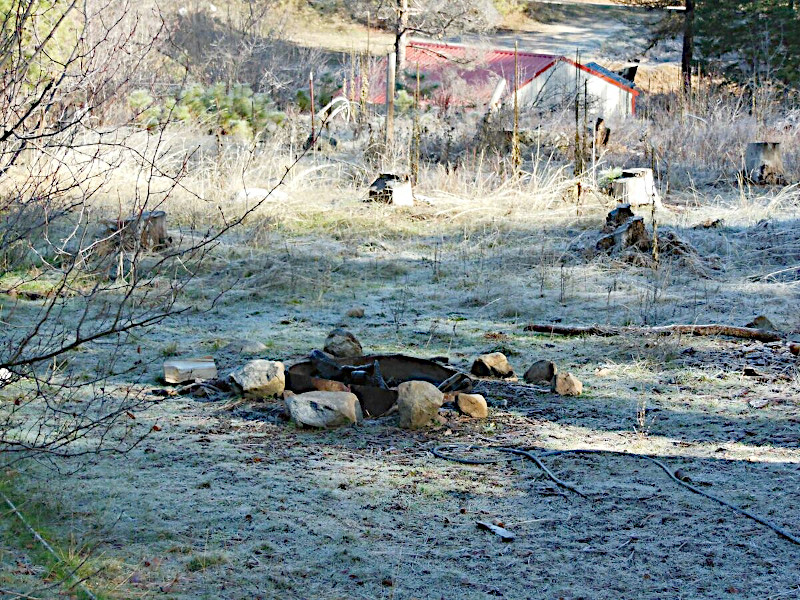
(148, 229)
(763, 163)
(636, 187)
(623, 230)
(392, 188)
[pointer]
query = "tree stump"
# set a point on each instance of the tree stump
(636, 187)
(764, 163)
(392, 188)
(148, 228)
(623, 230)
(601, 133)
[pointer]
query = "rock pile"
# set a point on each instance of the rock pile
(340, 386)
(546, 372)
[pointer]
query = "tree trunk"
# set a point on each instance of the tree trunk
(401, 36)
(390, 79)
(688, 46)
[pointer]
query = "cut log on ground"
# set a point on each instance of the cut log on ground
(712, 329)
(181, 370)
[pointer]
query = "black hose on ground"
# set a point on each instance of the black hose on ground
(518, 454)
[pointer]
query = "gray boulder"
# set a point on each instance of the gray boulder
(324, 409)
(542, 371)
(340, 343)
(259, 379)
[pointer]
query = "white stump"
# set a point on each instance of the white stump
(636, 187)
(393, 189)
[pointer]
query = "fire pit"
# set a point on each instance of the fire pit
(373, 379)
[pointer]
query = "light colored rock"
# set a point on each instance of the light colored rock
(566, 384)
(181, 370)
(5, 375)
(340, 343)
(542, 371)
(418, 403)
(357, 312)
(492, 365)
(260, 378)
(244, 347)
(324, 409)
(473, 405)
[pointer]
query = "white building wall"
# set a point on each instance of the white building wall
(559, 84)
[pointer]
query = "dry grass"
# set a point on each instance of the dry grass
(220, 504)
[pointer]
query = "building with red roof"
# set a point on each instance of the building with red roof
(470, 76)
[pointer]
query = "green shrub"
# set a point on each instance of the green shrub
(403, 102)
(237, 111)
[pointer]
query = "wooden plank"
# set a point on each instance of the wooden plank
(181, 370)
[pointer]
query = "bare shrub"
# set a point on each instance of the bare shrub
(72, 294)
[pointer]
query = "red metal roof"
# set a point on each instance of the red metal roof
(456, 75)
(443, 65)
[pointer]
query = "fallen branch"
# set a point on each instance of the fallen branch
(713, 329)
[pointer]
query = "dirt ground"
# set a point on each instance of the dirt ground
(237, 504)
